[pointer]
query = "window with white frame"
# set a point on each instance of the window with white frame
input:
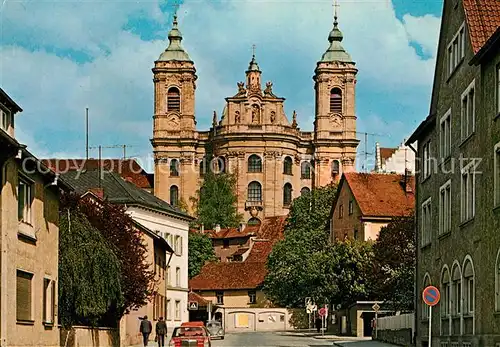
(24, 296)
(426, 237)
(427, 160)
(468, 110)
(469, 289)
(446, 293)
(169, 310)
(220, 298)
(177, 310)
(24, 200)
(456, 49)
(6, 119)
(496, 173)
(48, 300)
(445, 208)
(177, 277)
(445, 135)
(468, 193)
(456, 297)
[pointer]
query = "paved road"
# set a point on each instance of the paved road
(269, 340)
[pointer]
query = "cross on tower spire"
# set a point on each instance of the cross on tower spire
(335, 11)
(176, 8)
(253, 50)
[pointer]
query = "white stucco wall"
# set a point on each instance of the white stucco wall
(170, 227)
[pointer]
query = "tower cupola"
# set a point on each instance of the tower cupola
(174, 51)
(336, 52)
(253, 74)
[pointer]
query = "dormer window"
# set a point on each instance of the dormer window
(173, 99)
(6, 119)
(336, 100)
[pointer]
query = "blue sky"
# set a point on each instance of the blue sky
(58, 57)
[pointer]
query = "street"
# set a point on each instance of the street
(269, 339)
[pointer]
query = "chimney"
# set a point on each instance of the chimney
(405, 181)
(242, 227)
(217, 228)
(378, 159)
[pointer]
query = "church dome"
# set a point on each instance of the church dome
(174, 51)
(336, 52)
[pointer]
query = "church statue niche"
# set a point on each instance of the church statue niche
(237, 117)
(255, 114)
(273, 117)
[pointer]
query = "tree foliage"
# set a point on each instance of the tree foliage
(89, 273)
(216, 201)
(306, 264)
(394, 264)
(118, 229)
(200, 251)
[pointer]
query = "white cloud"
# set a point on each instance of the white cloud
(422, 30)
(117, 83)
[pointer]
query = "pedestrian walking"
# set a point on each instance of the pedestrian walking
(145, 330)
(318, 324)
(161, 331)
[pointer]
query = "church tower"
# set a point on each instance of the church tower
(335, 140)
(174, 124)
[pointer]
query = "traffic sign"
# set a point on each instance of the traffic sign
(193, 306)
(376, 307)
(431, 295)
(322, 312)
(308, 301)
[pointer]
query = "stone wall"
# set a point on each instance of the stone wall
(401, 337)
(80, 336)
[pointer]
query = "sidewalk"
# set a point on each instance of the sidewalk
(362, 343)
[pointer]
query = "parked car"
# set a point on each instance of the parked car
(190, 334)
(215, 329)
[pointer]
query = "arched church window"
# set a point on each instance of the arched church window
(335, 167)
(254, 191)
(254, 163)
(336, 100)
(287, 166)
(174, 167)
(173, 99)
(305, 170)
(174, 195)
(287, 194)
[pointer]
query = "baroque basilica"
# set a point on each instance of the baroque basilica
(272, 159)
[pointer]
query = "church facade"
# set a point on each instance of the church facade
(272, 159)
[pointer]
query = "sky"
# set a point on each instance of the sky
(59, 57)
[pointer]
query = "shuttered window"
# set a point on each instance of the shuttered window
(173, 99)
(23, 296)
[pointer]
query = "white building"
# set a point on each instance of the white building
(394, 160)
(175, 231)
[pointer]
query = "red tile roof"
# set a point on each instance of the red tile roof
(240, 251)
(193, 297)
(381, 195)
(386, 153)
(129, 169)
(230, 233)
(272, 231)
(483, 20)
(225, 276)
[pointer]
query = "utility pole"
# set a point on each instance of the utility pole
(87, 133)
(365, 152)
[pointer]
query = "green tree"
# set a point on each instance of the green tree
(393, 270)
(200, 251)
(306, 264)
(89, 273)
(216, 201)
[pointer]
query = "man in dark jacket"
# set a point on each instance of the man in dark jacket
(318, 324)
(146, 329)
(161, 331)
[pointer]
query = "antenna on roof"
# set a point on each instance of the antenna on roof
(87, 133)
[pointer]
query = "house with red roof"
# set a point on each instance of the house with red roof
(234, 285)
(366, 202)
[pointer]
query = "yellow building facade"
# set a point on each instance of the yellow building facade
(272, 159)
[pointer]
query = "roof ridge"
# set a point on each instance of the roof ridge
(121, 182)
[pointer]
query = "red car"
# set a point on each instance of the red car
(193, 334)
